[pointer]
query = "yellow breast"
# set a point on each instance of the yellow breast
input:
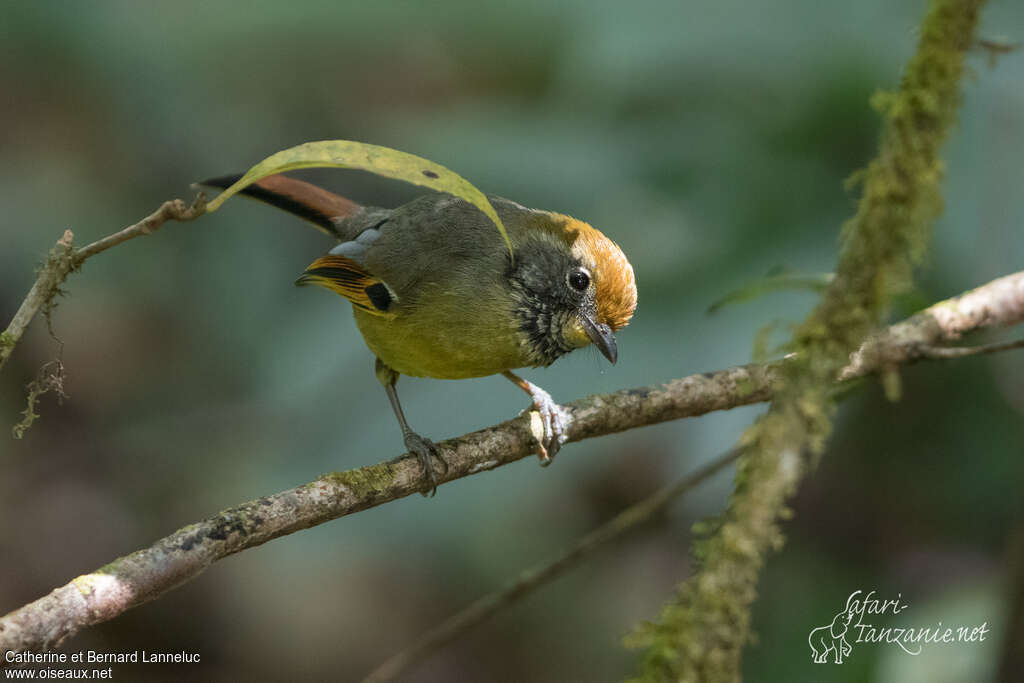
(441, 345)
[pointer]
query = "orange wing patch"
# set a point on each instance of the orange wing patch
(349, 279)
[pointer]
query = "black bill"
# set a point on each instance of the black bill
(602, 337)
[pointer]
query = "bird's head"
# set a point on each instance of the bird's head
(572, 285)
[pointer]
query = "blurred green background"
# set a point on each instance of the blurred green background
(711, 140)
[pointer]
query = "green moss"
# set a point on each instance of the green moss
(50, 378)
(85, 585)
(745, 387)
(700, 634)
(364, 482)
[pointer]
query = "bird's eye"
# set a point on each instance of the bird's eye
(579, 279)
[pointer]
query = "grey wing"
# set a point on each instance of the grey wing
(358, 231)
(433, 243)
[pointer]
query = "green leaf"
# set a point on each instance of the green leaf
(383, 161)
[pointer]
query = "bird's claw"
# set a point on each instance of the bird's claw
(552, 425)
(425, 450)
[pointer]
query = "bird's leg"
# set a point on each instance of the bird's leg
(422, 447)
(550, 417)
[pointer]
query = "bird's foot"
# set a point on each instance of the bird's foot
(553, 428)
(425, 449)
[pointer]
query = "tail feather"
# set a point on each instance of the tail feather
(304, 200)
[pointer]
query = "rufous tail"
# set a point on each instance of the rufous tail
(304, 200)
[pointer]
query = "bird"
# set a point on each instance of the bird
(436, 291)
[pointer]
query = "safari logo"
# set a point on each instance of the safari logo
(862, 621)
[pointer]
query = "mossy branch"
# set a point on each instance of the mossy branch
(64, 258)
(149, 573)
(701, 632)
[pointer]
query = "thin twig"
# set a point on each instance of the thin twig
(946, 352)
(995, 48)
(539, 575)
(53, 272)
(64, 258)
(175, 209)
